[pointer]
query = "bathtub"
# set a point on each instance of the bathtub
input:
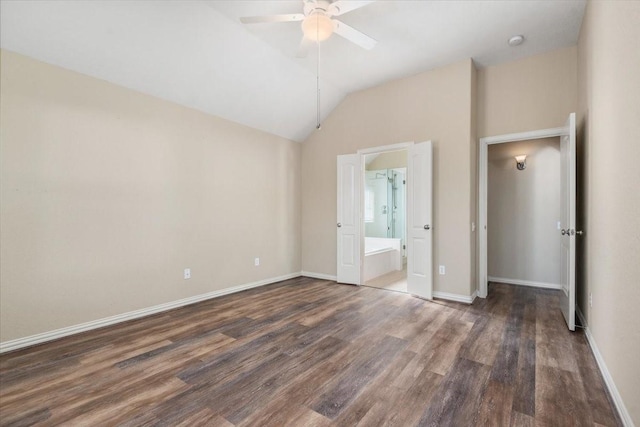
(381, 256)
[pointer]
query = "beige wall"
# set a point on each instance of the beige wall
(389, 160)
(435, 105)
(534, 93)
(108, 194)
(609, 195)
(523, 211)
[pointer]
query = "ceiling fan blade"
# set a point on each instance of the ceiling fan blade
(353, 35)
(272, 18)
(341, 7)
(303, 49)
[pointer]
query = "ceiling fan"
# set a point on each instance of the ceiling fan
(319, 23)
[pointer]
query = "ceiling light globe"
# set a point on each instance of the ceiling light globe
(317, 27)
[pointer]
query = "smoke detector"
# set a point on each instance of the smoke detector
(516, 40)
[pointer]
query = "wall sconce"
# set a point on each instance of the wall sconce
(520, 162)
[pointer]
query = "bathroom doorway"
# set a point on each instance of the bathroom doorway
(385, 220)
(350, 226)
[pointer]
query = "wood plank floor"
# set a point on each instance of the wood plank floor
(308, 352)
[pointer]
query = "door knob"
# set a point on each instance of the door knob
(563, 232)
(579, 232)
(339, 225)
(427, 227)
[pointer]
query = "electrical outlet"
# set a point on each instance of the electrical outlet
(442, 270)
(590, 299)
(187, 273)
(256, 262)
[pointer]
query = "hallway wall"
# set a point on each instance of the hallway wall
(523, 211)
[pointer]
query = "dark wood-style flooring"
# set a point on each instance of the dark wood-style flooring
(308, 352)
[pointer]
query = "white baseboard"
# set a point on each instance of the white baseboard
(525, 283)
(107, 321)
(474, 295)
(455, 297)
(319, 276)
(581, 317)
(608, 380)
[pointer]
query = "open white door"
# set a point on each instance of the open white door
(419, 220)
(568, 221)
(349, 222)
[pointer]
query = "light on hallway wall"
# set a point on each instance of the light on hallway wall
(521, 162)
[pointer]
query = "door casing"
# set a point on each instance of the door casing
(483, 159)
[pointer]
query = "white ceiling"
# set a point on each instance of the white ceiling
(198, 54)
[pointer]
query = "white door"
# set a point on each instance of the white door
(349, 223)
(568, 221)
(419, 220)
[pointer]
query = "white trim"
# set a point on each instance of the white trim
(482, 191)
(608, 380)
(112, 320)
(319, 276)
(482, 220)
(525, 283)
(455, 297)
(523, 136)
(383, 149)
(583, 321)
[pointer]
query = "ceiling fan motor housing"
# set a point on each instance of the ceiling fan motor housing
(316, 6)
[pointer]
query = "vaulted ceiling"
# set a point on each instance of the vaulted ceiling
(199, 54)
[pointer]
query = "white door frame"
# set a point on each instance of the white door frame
(483, 178)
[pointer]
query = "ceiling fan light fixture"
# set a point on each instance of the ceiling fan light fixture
(317, 27)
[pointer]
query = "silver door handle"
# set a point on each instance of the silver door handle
(339, 225)
(427, 227)
(579, 232)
